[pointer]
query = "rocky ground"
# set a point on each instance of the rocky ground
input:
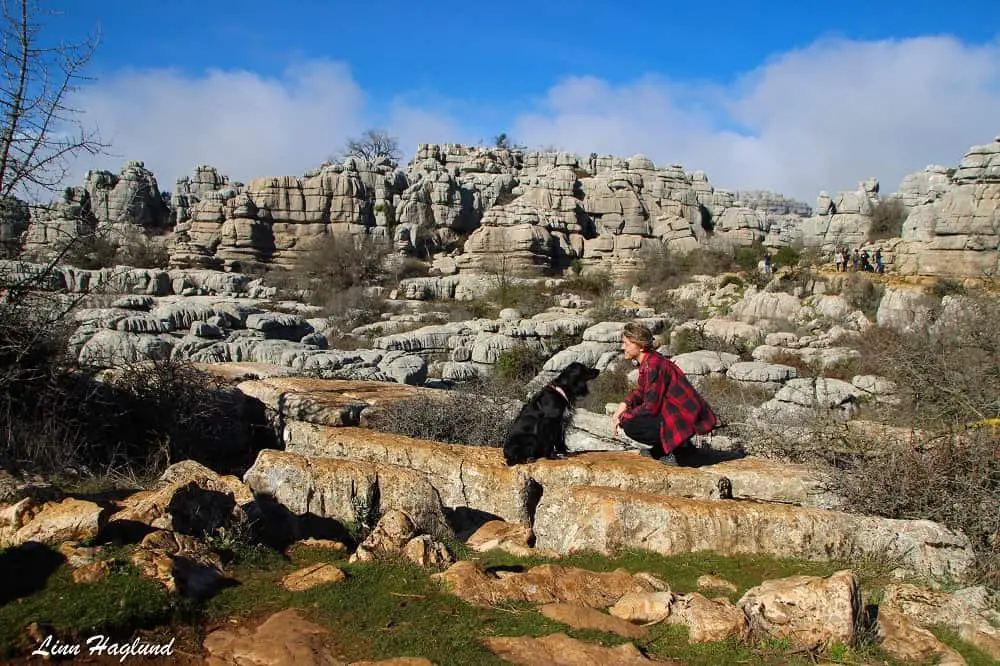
(453, 529)
(430, 494)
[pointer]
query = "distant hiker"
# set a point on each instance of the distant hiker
(879, 266)
(855, 260)
(838, 259)
(866, 265)
(767, 263)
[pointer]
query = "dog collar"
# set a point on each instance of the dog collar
(559, 391)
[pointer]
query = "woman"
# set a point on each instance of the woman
(664, 410)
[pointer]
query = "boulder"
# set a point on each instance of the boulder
(610, 519)
(808, 611)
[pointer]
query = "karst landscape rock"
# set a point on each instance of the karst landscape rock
(327, 484)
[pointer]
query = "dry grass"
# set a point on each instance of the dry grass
(55, 418)
(466, 416)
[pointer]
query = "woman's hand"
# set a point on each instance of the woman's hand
(616, 418)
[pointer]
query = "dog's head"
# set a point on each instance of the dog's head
(573, 380)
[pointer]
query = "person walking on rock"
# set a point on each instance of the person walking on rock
(664, 411)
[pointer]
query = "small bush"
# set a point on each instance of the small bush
(333, 264)
(143, 252)
(947, 287)
(748, 258)
(529, 299)
(519, 364)
(887, 219)
(593, 284)
(607, 308)
(409, 268)
(661, 269)
(91, 252)
(612, 385)
(708, 261)
(731, 401)
(456, 417)
(689, 339)
(798, 281)
(684, 309)
(350, 308)
(731, 279)
(786, 256)
(793, 361)
(862, 293)
(563, 339)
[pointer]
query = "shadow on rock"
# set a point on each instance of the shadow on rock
(26, 569)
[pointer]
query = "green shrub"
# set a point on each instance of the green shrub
(862, 293)
(593, 284)
(519, 364)
(947, 287)
(731, 279)
(612, 385)
(785, 256)
(887, 219)
(748, 258)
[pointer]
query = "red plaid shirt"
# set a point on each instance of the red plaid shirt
(664, 390)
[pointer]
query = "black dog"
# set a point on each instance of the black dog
(539, 431)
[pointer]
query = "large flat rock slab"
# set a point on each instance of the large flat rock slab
(478, 478)
(465, 477)
(609, 519)
(330, 402)
(328, 488)
(751, 478)
(241, 371)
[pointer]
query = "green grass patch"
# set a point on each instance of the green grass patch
(973, 656)
(117, 606)
(383, 610)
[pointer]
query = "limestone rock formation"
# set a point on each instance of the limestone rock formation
(953, 228)
(952, 225)
(132, 197)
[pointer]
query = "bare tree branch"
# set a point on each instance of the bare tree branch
(40, 132)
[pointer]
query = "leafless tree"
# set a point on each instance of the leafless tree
(372, 145)
(41, 132)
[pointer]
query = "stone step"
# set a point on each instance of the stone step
(331, 402)
(609, 519)
(341, 489)
(477, 477)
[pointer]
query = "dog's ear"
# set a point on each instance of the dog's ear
(592, 373)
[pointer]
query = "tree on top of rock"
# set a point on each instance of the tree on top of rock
(373, 145)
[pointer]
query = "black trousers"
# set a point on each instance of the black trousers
(646, 430)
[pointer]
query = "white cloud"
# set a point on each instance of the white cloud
(822, 118)
(240, 122)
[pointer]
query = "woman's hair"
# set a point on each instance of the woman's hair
(639, 334)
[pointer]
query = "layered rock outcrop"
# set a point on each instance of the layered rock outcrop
(536, 209)
(952, 225)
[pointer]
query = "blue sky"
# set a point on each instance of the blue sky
(789, 96)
